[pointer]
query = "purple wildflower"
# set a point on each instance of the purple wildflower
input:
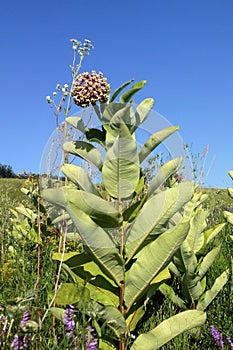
(230, 342)
(21, 341)
(217, 337)
(69, 320)
(90, 341)
(25, 319)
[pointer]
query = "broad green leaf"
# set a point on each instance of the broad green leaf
(100, 245)
(151, 260)
(99, 287)
(169, 293)
(85, 151)
(207, 262)
(135, 317)
(228, 216)
(209, 296)
(68, 293)
(143, 110)
(169, 329)
(230, 191)
(113, 318)
(121, 169)
(106, 345)
(118, 90)
(126, 97)
(154, 140)
(163, 174)
(101, 211)
(80, 266)
(58, 312)
(95, 135)
(79, 177)
(155, 214)
(76, 122)
(195, 236)
(110, 110)
(231, 173)
(211, 233)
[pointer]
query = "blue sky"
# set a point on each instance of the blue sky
(184, 49)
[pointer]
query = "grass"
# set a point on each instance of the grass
(19, 277)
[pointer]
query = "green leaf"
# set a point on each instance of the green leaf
(101, 211)
(209, 296)
(85, 151)
(155, 213)
(151, 260)
(126, 97)
(195, 236)
(81, 268)
(76, 122)
(113, 318)
(208, 261)
(169, 293)
(154, 140)
(133, 319)
(231, 173)
(121, 169)
(228, 216)
(163, 174)
(95, 135)
(58, 313)
(106, 345)
(118, 91)
(79, 177)
(169, 329)
(68, 293)
(143, 110)
(100, 245)
(211, 233)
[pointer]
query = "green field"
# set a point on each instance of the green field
(23, 287)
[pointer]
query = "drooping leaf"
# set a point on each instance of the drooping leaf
(154, 140)
(169, 329)
(163, 174)
(121, 169)
(151, 260)
(210, 294)
(101, 211)
(85, 151)
(118, 90)
(79, 177)
(126, 97)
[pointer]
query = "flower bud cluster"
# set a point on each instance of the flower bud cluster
(61, 89)
(90, 88)
(83, 49)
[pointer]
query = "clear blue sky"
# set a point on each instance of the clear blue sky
(184, 49)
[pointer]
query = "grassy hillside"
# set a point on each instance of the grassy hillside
(18, 274)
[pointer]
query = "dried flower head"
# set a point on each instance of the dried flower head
(90, 88)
